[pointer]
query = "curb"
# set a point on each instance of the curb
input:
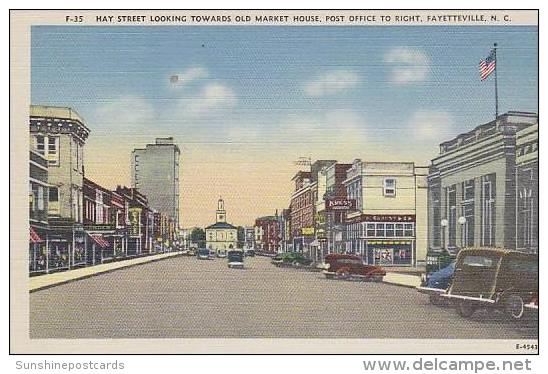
(399, 284)
(85, 276)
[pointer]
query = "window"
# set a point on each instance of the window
(488, 210)
(408, 229)
(389, 229)
(53, 150)
(389, 187)
(399, 229)
(478, 261)
(53, 194)
(468, 190)
(370, 229)
(379, 229)
(452, 209)
(40, 144)
(40, 198)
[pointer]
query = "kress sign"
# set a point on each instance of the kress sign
(340, 204)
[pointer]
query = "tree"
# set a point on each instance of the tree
(241, 237)
(198, 236)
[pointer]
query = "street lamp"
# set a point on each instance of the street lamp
(443, 224)
(462, 222)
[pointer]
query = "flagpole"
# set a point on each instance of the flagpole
(496, 85)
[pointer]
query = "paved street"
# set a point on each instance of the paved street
(183, 297)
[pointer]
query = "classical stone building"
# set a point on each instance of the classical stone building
(483, 187)
(221, 236)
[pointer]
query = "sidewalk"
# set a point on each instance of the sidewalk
(49, 280)
(405, 280)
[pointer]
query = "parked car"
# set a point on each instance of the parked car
(296, 259)
(221, 253)
(345, 266)
(494, 278)
(250, 252)
(436, 283)
(203, 254)
(437, 260)
(191, 252)
(235, 258)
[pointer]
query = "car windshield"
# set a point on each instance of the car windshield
(235, 257)
(479, 261)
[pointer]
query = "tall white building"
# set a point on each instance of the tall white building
(155, 173)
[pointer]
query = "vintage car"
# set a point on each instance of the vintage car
(296, 259)
(250, 253)
(203, 254)
(345, 266)
(436, 283)
(494, 278)
(235, 258)
(221, 253)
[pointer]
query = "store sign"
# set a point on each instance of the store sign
(340, 204)
(134, 221)
(307, 231)
(389, 217)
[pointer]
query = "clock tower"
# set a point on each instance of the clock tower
(221, 213)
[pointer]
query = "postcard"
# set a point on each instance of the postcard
(281, 181)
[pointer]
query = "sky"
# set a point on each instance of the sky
(251, 100)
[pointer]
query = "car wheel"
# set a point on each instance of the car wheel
(343, 274)
(514, 307)
(329, 276)
(465, 309)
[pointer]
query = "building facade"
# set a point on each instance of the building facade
(389, 223)
(527, 184)
(270, 233)
(155, 173)
(475, 184)
(39, 257)
(221, 236)
(59, 135)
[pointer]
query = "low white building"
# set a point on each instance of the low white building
(221, 236)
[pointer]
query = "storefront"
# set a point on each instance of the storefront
(38, 255)
(390, 252)
(383, 239)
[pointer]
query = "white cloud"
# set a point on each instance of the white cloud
(189, 75)
(126, 111)
(212, 97)
(431, 125)
(332, 82)
(408, 65)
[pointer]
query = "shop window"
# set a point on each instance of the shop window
(390, 187)
(379, 229)
(389, 229)
(409, 229)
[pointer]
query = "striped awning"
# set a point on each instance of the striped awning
(34, 237)
(99, 240)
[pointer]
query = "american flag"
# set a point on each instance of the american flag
(488, 65)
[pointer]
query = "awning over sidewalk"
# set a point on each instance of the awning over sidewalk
(34, 237)
(99, 240)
